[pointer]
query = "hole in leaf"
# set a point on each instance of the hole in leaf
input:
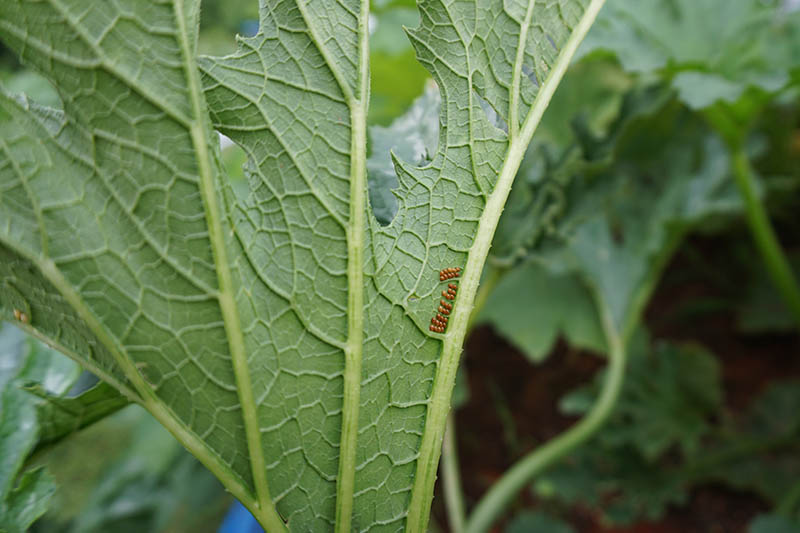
(413, 138)
(221, 23)
(233, 161)
(34, 86)
(529, 72)
(491, 113)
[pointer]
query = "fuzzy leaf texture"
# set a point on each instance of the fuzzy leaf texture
(280, 333)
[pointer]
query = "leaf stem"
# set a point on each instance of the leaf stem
(451, 476)
(763, 233)
(505, 490)
(451, 470)
(757, 219)
(345, 481)
(439, 403)
(202, 138)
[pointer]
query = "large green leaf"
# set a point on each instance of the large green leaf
(277, 330)
(555, 304)
(625, 219)
(712, 50)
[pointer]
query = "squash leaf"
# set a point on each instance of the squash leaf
(277, 330)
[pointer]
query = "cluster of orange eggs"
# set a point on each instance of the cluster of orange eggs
(449, 273)
(439, 322)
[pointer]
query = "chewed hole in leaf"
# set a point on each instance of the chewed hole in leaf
(531, 74)
(494, 118)
(35, 87)
(412, 138)
(234, 159)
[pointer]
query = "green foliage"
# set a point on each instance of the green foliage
(552, 304)
(537, 522)
(669, 431)
(709, 51)
(220, 297)
(396, 77)
(669, 396)
(411, 137)
(275, 328)
(24, 495)
(127, 473)
(60, 416)
(634, 189)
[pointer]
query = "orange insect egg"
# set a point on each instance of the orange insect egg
(443, 311)
(453, 286)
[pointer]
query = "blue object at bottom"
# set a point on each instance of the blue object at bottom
(239, 520)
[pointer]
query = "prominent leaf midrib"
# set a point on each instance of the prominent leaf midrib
(202, 137)
(345, 483)
(444, 380)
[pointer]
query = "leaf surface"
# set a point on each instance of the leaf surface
(712, 50)
(278, 330)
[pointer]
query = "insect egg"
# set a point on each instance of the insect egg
(452, 286)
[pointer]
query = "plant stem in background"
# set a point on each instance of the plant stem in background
(763, 233)
(518, 476)
(760, 227)
(490, 280)
(451, 477)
